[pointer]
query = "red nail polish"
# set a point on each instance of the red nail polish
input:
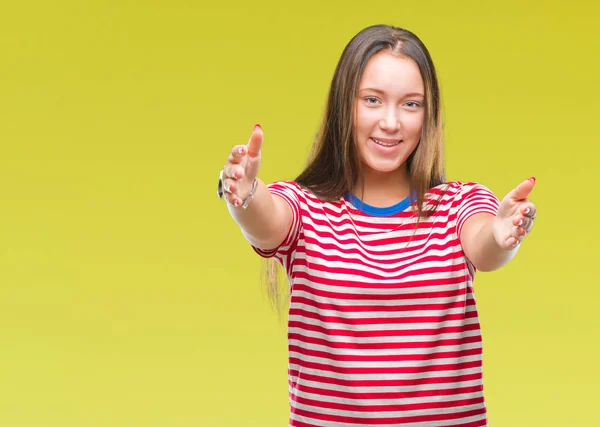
(533, 179)
(257, 126)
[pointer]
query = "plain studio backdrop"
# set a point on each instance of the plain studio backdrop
(128, 297)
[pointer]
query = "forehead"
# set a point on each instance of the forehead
(392, 73)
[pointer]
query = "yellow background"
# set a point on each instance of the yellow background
(128, 297)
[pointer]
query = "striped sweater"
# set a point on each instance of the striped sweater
(383, 328)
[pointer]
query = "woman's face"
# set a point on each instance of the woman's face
(389, 111)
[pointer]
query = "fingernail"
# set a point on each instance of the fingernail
(532, 179)
(240, 150)
(527, 211)
(520, 221)
(257, 126)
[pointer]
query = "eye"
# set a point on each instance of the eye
(371, 100)
(412, 104)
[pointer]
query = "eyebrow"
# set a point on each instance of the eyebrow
(382, 92)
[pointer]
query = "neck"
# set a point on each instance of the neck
(383, 189)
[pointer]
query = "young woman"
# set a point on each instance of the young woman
(380, 251)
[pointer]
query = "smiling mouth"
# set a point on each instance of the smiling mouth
(385, 143)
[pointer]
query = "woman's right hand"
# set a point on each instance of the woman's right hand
(242, 168)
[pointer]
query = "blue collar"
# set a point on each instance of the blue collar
(375, 211)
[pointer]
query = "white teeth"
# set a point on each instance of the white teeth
(385, 144)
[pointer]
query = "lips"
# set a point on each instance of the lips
(386, 142)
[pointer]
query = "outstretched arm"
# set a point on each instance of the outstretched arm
(491, 241)
(268, 218)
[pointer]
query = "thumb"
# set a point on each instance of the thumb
(255, 142)
(521, 192)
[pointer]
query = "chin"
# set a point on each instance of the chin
(383, 167)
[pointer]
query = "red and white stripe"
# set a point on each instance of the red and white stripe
(383, 327)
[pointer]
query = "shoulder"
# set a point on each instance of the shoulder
(300, 192)
(455, 196)
(458, 189)
(290, 185)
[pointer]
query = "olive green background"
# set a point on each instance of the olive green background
(128, 297)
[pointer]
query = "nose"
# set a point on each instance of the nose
(390, 122)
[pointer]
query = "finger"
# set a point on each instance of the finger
(226, 186)
(521, 192)
(511, 242)
(515, 237)
(255, 142)
(517, 232)
(514, 242)
(232, 199)
(524, 222)
(237, 154)
(233, 171)
(528, 209)
(229, 186)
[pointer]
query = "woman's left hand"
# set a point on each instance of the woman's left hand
(515, 216)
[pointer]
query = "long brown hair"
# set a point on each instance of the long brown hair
(334, 167)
